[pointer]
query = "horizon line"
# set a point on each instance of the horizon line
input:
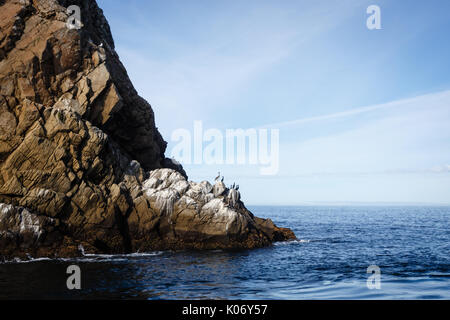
(353, 203)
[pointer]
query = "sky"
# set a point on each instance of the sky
(363, 115)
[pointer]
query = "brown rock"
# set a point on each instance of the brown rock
(81, 160)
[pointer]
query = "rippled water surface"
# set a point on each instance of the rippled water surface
(411, 245)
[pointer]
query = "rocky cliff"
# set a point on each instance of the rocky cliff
(81, 160)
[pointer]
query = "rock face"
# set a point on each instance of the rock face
(81, 160)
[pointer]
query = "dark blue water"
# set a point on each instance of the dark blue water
(411, 245)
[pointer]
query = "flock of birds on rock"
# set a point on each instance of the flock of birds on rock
(233, 186)
(233, 196)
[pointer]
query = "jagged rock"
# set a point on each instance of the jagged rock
(81, 160)
(23, 233)
(233, 197)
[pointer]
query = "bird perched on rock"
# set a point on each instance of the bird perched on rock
(218, 177)
(237, 187)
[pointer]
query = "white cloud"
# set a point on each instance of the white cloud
(441, 169)
(404, 136)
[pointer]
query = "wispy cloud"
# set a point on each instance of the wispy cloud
(301, 66)
(419, 101)
(406, 137)
(441, 169)
(197, 78)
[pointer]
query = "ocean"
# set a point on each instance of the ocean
(336, 244)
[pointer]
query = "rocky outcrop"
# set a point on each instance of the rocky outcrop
(81, 160)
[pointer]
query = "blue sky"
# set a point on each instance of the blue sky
(363, 114)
